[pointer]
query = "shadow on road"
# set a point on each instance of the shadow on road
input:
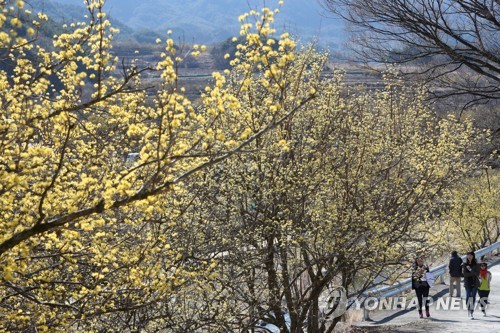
(444, 320)
(405, 311)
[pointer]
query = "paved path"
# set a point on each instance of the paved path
(442, 320)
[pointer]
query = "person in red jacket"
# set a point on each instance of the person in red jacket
(484, 286)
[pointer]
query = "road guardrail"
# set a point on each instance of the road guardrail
(403, 285)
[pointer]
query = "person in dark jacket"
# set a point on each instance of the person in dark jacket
(420, 285)
(455, 269)
(470, 270)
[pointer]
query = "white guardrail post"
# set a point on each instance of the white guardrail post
(439, 272)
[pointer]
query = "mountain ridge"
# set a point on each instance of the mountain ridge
(212, 21)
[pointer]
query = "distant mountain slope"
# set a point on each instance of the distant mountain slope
(209, 21)
(72, 11)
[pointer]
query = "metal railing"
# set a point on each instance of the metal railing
(401, 286)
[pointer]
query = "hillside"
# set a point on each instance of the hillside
(73, 11)
(70, 12)
(139, 43)
(208, 22)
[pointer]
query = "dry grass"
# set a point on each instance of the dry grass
(350, 317)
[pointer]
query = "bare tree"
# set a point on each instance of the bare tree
(453, 44)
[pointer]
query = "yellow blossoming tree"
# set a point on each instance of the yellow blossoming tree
(341, 195)
(128, 208)
(93, 170)
(471, 219)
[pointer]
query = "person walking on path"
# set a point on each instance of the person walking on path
(455, 269)
(420, 285)
(484, 286)
(471, 281)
